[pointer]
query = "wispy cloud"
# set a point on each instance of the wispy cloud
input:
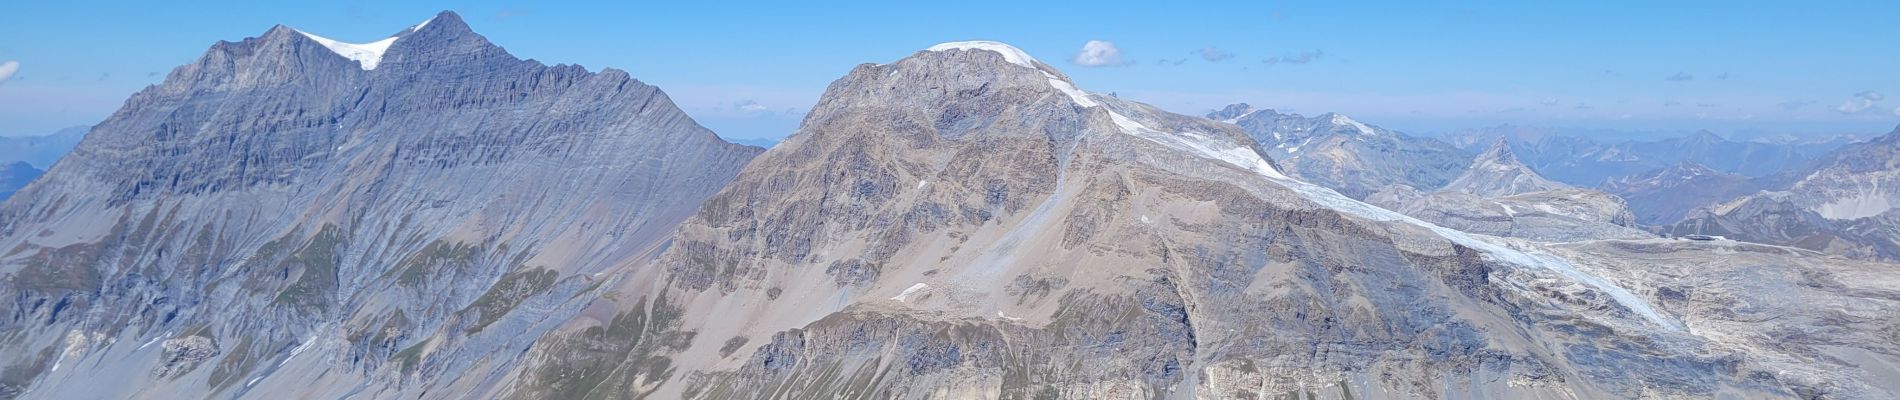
(1862, 101)
(1671, 103)
(1212, 54)
(1722, 77)
(749, 106)
(1099, 53)
(1170, 63)
(1792, 105)
(7, 69)
(1302, 58)
(1680, 77)
(1548, 101)
(1896, 111)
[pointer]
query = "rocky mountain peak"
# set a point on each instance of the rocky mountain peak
(1344, 124)
(1497, 172)
(1499, 156)
(1232, 112)
(1705, 136)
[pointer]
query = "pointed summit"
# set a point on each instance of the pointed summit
(1232, 112)
(1353, 126)
(1497, 172)
(1498, 156)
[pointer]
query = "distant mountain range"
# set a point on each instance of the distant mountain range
(1587, 162)
(1665, 195)
(41, 151)
(26, 157)
(1346, 155)
(1498, 195)
(15, 176)
(1843, 202)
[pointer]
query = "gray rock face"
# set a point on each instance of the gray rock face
(1343, 154)
(287, 221)
(1663, 196)
(964, 223)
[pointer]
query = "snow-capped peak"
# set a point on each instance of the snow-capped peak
(1010, 53)
(365, 54)
(1237, 118)
(1339, 119)
(424, 23)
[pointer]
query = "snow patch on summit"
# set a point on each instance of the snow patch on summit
(1344, 120)
(365, 54)
(1010, 53)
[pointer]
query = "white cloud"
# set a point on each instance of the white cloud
(1862, 101)
(7, 69)
(1852, 106)
(1302, 58)
(1212, 54)
(749, 106)
(1896, 111)
(1549, 101)
(1097, 53)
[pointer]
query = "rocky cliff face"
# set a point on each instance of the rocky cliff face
(293, 215)
(1353, 158)
(966, 223)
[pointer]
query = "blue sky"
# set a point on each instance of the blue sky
(749, 70)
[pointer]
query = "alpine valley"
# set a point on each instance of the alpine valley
(428, 216)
